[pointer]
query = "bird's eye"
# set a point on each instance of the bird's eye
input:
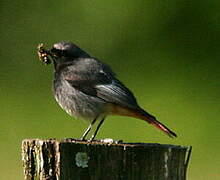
(57, 52)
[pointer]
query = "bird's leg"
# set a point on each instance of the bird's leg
(97, 129)
(88, 129)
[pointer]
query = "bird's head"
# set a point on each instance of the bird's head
(66, 51)
(61, 52)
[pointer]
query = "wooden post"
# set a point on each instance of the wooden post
(72, 159)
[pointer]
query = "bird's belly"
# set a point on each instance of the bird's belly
(78, 104)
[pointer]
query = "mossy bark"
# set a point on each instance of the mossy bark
(77, 160)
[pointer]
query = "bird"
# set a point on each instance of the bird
(87, 88)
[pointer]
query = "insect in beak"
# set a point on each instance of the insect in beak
(44, 54)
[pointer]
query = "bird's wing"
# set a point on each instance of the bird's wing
(100, 83)
(115, 92)
(87, 82)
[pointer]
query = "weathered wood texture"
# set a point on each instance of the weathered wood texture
(72, 159)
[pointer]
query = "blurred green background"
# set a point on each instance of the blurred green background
(166, 52)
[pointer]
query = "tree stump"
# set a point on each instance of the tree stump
(73, 159)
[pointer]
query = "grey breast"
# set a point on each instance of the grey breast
(75, 102)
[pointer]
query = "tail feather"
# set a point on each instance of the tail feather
(140, 114)
(162, 127)
(152, 120)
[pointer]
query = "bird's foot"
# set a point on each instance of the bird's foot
(111, 141)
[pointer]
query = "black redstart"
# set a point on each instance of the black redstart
(87, 88)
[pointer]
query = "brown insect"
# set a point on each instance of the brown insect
(43, 54)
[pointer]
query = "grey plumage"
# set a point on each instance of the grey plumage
(85, 87)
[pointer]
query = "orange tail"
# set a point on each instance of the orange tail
(152, 120)
(140, 114)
